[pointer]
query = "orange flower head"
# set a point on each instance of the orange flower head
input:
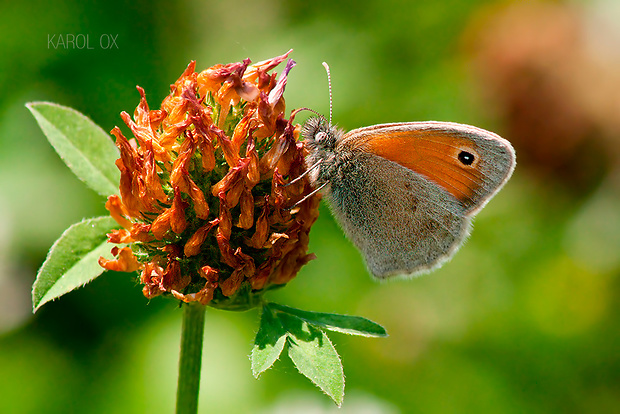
(204, 211)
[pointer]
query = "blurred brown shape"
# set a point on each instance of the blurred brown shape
(556, 94)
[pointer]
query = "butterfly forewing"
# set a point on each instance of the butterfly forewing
(470, 163)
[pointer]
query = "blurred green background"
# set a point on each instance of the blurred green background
(523, 319)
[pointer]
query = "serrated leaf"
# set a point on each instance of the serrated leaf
(86, 149)
(269, 342)
(72, 260)
(353, 325)
(314, 356)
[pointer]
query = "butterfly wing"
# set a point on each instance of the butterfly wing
(405, 193)
(396, 217)
(470, 163)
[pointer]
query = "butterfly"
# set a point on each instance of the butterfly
(405, 193)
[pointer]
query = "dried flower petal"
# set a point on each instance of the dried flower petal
(120, 236)
(276, 93)
(192, 247)
(117, 210)
(246, 217)
(261, 234)
(126, 261)
(142, 232)
(212, 275)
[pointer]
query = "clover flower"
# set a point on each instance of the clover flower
(203, 205)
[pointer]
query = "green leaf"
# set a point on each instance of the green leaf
(315, 356)
(72, 260)
(353, 325)
(86, 149)
(308, 346)
(269, 342)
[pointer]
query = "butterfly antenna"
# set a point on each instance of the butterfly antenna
(329, 83)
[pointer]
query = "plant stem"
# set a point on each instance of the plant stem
(191, 357)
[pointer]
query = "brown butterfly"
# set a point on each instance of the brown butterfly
(405, 193)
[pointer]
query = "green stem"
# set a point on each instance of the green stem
(191, 356)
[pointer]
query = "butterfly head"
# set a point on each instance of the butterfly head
(320, 139)
(319, 134)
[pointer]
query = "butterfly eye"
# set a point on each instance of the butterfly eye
(467, 158)
(320, 136)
